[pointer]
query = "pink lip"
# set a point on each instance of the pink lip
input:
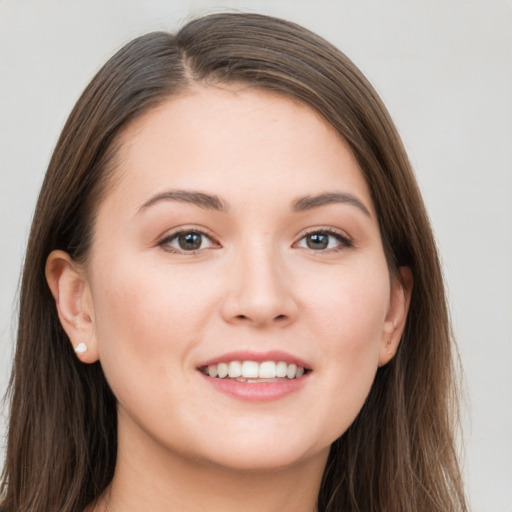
(257, 391)
(259, 357)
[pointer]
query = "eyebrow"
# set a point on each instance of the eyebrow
(214, 202)
(206, 201)
(309, 202)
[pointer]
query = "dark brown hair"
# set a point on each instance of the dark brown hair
(399, 454)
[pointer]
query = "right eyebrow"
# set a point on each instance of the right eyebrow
(207, 201)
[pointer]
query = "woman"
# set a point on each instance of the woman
(231, 296)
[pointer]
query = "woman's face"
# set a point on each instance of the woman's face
(239, 236)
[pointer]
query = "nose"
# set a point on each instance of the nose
(259, 291)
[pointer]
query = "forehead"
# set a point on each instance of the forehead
(235, 138)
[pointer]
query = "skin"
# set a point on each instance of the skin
(151, 311)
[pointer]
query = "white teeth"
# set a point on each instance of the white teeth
(281, 369)
(254, 370)
(292, 371)
(267, 370)
(250, 369)
(222, 370)
(235, 369)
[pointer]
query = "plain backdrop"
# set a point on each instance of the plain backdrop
(444, 69)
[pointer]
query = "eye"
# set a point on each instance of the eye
(324, 240)
(188, 240)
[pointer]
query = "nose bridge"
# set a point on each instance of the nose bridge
(260, 290)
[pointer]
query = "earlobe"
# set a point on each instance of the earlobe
(400, 298)
(73, 300)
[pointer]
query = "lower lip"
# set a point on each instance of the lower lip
(257, 391)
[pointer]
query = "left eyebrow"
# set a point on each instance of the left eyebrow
(309, 202)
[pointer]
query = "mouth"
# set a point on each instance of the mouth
(256, 376)
(250, 371)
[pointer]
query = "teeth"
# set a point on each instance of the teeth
(235, 369)
(292, 371)
(222, 370)
(250, 369)
(254, 370)
(267, 370)
(281, 369)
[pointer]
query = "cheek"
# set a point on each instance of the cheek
(145, 299)
(350, 315)
(350, 306)
(148, 318)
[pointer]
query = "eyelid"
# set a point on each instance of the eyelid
(173, 233)
(345, 240)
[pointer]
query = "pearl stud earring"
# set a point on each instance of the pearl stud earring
(80, 348)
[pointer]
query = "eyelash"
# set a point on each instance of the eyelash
(343, 241)
(164, 244)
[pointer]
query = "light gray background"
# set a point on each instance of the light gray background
(444, 68)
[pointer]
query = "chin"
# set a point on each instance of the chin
(263, 451)
(257, 461)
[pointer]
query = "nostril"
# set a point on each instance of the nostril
(281, 317)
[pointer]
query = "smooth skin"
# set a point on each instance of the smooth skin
(252, 270)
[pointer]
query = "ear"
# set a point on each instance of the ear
(73, 299)
(399, 300)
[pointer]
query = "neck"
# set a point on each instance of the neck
(163, 481)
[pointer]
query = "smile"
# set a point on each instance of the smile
(252, 371)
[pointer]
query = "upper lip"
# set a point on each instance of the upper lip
(259, 357)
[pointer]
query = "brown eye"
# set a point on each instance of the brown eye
(327, 241)
(317, 241)
(187, 241)
(190, 241)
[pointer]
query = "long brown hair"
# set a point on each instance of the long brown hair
(399, 454)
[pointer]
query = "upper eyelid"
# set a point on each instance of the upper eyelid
(324, 229)
(187, 229)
